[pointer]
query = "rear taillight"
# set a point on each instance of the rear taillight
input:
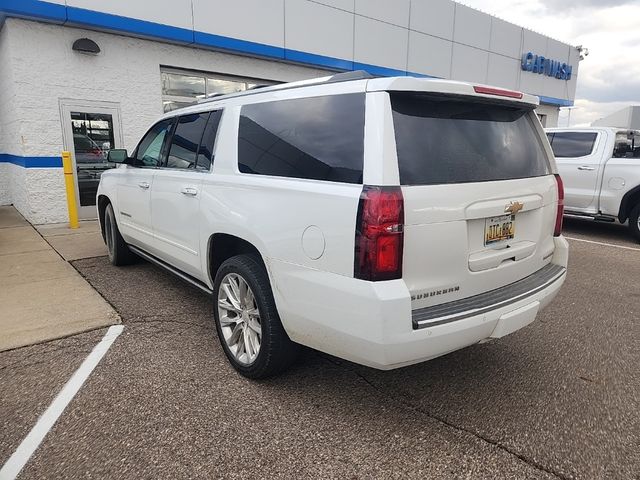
(558, 229)
(379, 234)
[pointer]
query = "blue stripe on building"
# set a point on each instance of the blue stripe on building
(31, 162)
(133, 26)
(560, 102)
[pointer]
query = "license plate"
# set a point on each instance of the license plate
(499, 229)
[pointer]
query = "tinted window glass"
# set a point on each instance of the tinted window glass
(448, 140)
(149, 150)
(186, 140)
(572, 144)
(205, 153)
(320, 138)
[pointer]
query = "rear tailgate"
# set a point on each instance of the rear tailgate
(480, 197)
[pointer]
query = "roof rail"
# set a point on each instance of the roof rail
(337, 78)
(347, 76)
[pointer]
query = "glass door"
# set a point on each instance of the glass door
(90, 131)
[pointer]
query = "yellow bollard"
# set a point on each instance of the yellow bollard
(67, 167)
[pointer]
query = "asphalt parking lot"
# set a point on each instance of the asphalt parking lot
(558, 399)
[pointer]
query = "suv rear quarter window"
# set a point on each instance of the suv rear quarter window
(446, 139)
(319, 138)
(205, 152)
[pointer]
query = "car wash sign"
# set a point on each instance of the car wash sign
(545, 66)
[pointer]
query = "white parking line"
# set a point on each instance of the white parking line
(26, 449)
(603, 243)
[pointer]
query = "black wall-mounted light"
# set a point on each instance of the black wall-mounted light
(86, 45)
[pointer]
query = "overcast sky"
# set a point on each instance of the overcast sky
(609, 78)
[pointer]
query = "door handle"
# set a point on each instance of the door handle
(144, 185)
(189, 191)
(586, 167)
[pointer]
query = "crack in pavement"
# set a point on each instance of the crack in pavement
(72, 263)
(159, 328)
(417, 408)
(73, 342)
(144, 319)
(50, 348)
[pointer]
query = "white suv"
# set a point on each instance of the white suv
(385, 221)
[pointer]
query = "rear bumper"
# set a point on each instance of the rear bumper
(371, 323)
(488, 301)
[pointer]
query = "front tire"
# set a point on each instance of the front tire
(119, 253)
(248, 325)
(634, 222)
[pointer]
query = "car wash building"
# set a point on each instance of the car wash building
(88, 75)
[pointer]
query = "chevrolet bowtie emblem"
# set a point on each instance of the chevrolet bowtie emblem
(513, 208)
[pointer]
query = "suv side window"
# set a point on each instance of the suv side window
(186, 140)
(205, 152)
(149, 151)
(319, 138)
(572, 144)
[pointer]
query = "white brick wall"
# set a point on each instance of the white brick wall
(9, 131)
(9, 122)
(5, 183)
(47, 196)
(37, 193)
(39, 68)
(18, 189)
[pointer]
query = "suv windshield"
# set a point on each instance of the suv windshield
(444, 139)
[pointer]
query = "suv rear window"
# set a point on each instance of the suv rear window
(319, 138)
(572, 144)
(443, 139)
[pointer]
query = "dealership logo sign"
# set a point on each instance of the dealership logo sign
(546, 66)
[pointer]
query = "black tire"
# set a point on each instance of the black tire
(276, 351)
(119, 253)
(634, 222)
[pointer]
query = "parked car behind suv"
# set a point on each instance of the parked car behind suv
(385, 221)
(600, 168)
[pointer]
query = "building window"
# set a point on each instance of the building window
(181, 88)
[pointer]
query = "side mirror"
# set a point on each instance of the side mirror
(117, 155)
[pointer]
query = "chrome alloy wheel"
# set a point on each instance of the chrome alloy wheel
(239, 318)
